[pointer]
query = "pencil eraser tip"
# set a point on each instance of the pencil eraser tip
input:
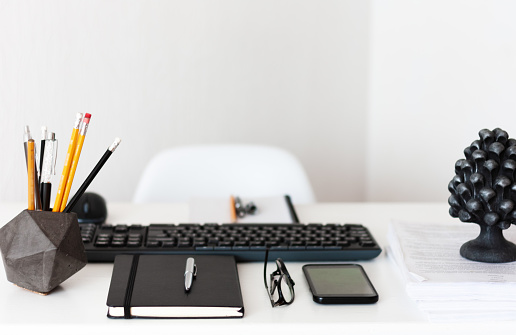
(87, 115)
(115, 144)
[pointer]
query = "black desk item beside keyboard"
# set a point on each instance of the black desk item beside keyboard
(247, 242)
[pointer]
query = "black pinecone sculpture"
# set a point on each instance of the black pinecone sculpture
(483, 191)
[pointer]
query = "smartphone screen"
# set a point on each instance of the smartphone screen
(339, 283)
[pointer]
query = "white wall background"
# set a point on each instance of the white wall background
(439, 72)
(377, 98)
(168, 73)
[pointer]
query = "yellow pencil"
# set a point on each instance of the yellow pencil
(76, 156)
(67, 164)
(232, 209)
(30, 172)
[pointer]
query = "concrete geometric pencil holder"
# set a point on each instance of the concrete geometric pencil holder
(41, 249)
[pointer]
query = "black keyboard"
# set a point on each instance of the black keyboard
(247, 242)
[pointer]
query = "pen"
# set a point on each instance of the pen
(291, 209)
(190, 273)
(250, 208)
(239, 207)
(80, 141)
(47, 170)
(92, 175)
(232, 209)
(42, 151)
(30, 174)
(68, 161)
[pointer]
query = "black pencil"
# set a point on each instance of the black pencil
(92, 175)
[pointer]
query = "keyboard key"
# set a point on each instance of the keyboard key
(204, 248)
(118, 243)
(102, 243)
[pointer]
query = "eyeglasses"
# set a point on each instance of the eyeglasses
(281, 291)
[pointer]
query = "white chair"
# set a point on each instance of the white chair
(179, 174)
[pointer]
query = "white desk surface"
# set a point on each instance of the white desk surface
(79, 304)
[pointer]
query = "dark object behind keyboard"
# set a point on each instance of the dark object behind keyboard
(247, 242)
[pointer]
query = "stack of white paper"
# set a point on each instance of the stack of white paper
(445, 285)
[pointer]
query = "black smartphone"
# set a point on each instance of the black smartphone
(340, 284)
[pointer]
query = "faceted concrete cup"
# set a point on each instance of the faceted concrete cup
(41, 249)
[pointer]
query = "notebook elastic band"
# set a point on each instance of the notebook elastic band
(130, 285)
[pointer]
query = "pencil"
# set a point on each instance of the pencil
(26, 137)
(233, 209)
(92, 175)
(82, 134)
(30, 174)
(68, 161)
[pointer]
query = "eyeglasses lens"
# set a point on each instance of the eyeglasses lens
(279, 285)
(280, 290)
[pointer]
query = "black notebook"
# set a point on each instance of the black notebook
(153, 286)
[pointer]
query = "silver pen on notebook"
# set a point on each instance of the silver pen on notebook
(190, 273)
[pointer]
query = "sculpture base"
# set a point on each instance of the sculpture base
(489, 247)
